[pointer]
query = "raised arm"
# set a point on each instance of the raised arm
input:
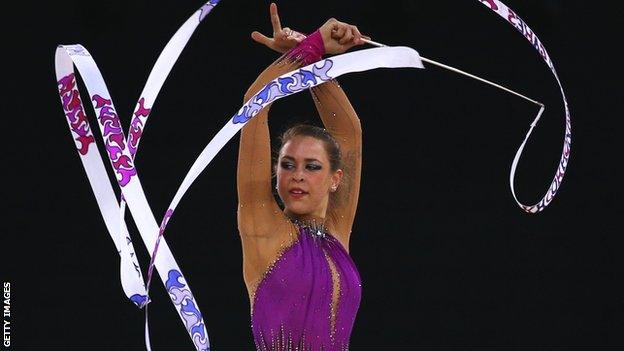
(257, 206)
(343, 124)
(340, 119)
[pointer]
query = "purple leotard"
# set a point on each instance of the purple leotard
(293, 307)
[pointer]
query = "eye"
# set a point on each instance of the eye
(287, 165)
(313, 167)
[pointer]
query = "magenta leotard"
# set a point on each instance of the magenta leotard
(293, 307)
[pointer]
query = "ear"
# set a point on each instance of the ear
(336, 179)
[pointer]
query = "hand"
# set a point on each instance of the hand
(283, 39)
(339, 37)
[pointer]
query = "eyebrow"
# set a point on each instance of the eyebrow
(305, 159)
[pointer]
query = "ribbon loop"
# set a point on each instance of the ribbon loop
(512, 18)
(121, 152)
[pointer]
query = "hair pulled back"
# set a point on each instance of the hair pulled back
(330, 144)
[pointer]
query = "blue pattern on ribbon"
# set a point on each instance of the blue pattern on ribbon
(182, 297)
(284, 86)
(172, 281)
(204, 10)
(139, 300)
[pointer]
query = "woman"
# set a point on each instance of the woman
(303, 286)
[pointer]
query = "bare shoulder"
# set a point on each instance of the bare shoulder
(262, 248)
(341, 233)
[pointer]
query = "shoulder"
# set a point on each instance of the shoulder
(338, 231)
(261, 219)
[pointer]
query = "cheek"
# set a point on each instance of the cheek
(279, 175)
(281, 181)
(320, 182)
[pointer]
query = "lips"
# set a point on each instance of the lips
(297, 193)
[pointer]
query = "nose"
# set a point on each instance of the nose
(297, 175)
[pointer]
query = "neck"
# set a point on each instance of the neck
(304, 218)
(315, 225)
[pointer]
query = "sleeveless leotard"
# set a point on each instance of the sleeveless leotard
(293, 304)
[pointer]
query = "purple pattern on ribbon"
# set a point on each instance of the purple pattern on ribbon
(280, 87)
(163, 225)
(510, 16)
(523, 28)
(123, 165)
(72, 106)
(491, 4)
(114, 140)
(136, 126)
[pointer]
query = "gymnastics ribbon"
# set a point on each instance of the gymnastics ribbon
(521, 26)
(121, 158)
(510, 16)
(287, 84)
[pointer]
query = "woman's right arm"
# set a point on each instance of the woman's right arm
(257, 207)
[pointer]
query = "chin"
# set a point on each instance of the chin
(298, 210)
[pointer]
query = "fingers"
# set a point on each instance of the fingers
(347, 37)
(297, 36)
(275, 21)
(260, 38)
(358, 36)
(286, 32)
(338, 31)
(345, 33)
(291, 35)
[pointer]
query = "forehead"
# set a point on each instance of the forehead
(302, 147)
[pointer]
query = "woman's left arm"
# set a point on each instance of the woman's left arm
(342, 122)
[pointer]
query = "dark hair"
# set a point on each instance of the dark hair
(330, 144)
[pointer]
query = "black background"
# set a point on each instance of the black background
(448, 260)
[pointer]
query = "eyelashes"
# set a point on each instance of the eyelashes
(313, 167)
(289, 166)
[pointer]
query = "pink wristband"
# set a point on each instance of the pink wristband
(310, 50)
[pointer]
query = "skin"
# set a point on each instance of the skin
(338, 37)
(305, 178)
(303, 163)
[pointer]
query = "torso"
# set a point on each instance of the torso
(310, 288)
(260, 252)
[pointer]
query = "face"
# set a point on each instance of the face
(305, 178)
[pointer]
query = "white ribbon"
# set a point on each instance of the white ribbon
(287, 84)
(121, 158)
(510, 16)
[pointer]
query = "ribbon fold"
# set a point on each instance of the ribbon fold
(121, 150)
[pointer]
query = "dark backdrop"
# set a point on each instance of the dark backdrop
(448, 260)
